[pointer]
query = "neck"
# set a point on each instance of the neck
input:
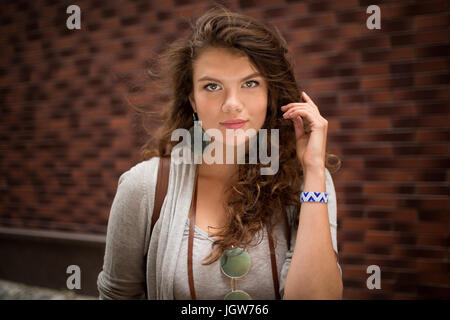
(220, 172)
(223, 172)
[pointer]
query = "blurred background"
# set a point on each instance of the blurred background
(68, 130)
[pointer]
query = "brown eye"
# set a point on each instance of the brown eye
(211, 86)
(252, 81)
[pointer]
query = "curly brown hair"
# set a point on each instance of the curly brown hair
(254, 199)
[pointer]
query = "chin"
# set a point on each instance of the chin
(236, 141)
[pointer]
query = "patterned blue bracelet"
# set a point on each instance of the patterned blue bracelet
(314, 197)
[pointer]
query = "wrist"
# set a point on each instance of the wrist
(314, 179)
(316, 171)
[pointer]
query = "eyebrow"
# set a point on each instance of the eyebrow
(255, 74)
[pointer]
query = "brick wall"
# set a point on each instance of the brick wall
(67, 131)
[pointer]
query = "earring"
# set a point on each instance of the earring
(204, 134)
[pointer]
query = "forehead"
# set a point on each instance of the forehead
(222, 62)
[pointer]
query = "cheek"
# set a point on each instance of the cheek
(259, 111)
(204, 103)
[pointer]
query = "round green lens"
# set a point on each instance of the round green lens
(238, 295)
(235, 263)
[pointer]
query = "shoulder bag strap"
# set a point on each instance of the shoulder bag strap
(161, 187)
(273, 259)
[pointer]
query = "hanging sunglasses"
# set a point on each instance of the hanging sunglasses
(235, 264)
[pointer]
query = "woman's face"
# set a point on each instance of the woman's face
(226, 86)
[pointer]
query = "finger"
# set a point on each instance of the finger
(304, 105)
(306, 115)
(293, 104)
(298, 126)
(298, 120)
(314, 119)
(308, 99)
(288, 113)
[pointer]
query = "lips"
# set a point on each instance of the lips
(234, 123)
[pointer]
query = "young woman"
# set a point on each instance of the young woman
(254, 237)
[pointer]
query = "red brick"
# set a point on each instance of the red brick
(432, 240)
(433, 278)
(431, 79)
(434, 36)
(374, 69)
(435, 64)
(422, 252)
(431, 21)
(381, 237)
(427, 265)
(432, 189)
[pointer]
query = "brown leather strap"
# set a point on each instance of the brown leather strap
(273, 260)
(191, 241)
(288, 231)
(161, 187)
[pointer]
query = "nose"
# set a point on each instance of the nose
(232, 102)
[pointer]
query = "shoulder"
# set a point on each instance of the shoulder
(132, 198)
(139, 176)
(144, 167)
